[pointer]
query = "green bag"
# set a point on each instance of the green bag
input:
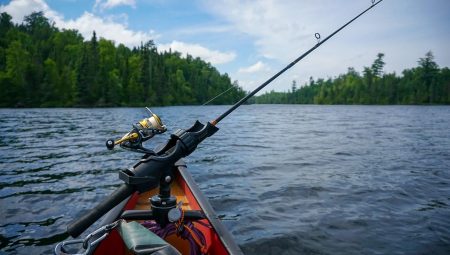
(140, 240)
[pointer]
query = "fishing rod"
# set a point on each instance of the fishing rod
(156, 168)
(317, 35)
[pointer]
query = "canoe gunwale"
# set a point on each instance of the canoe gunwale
(209, 212)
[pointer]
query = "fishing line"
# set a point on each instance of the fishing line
(209, 101)
(319, 42)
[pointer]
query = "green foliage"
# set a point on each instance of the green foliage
(42, 66)
(425, 84)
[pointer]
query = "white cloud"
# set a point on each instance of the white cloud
(257, 67)
(213, 56)
(104, 27)
(274, 26)
(108, 4)
(18, 9)
(108, 29)
(281, 30)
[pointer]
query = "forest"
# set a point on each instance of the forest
(424, 84)
(43, 66)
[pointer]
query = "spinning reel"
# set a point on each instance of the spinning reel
(141, 132)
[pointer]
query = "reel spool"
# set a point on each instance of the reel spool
(141, 132)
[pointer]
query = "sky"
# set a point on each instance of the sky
(252, 40)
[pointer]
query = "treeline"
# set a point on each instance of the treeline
(424, 84)
(43, 66)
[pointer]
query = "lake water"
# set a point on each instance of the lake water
(287, 179)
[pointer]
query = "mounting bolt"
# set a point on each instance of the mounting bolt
(168, 179)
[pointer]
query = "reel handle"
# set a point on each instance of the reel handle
(110, 144)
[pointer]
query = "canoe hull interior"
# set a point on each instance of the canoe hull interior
(218, 239)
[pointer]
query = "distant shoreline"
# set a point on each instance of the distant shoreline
(155, 106)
